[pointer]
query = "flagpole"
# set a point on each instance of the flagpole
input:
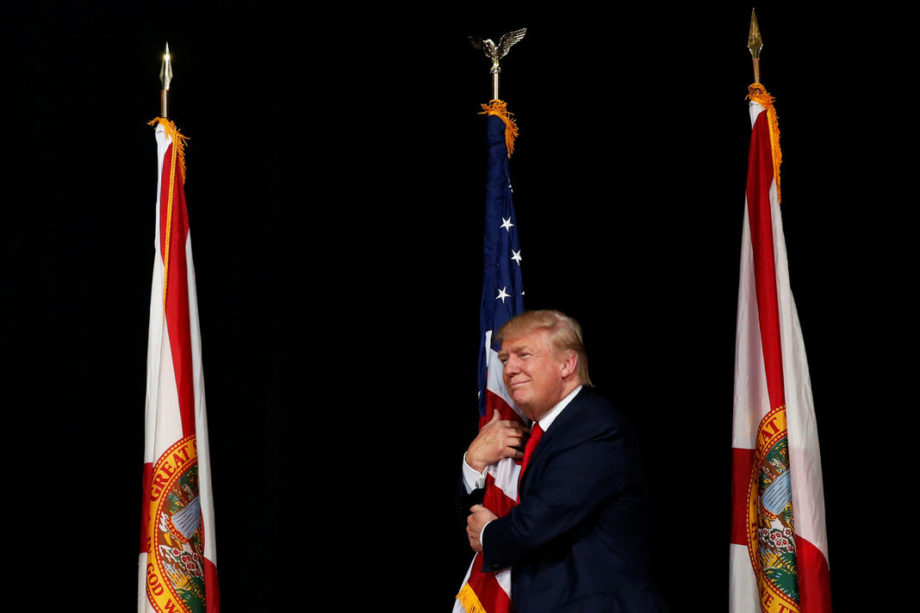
(755, 44)
(768, 573)
(178, 549)
(758, 93)
(165, 77)
(483, 591)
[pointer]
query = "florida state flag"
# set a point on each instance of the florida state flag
(177, 570)
(778, 541)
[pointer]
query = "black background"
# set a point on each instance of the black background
(336, 184)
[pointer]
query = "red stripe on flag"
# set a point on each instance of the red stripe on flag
(742, 463)
(814, 578)
(488, 591)
(494, 402)
(211, 587)
(495, 498)
(174, 226)
(145, 508)
(760, 177)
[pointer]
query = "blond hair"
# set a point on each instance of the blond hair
(564, 333)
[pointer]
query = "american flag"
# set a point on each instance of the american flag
(502, 299)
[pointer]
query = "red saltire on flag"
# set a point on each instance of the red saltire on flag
(177, 569)
(778, 538)
(502, 299)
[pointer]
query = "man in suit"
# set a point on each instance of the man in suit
(578, 539)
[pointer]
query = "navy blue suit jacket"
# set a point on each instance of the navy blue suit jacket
(579, 538)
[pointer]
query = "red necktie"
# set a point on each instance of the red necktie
(535, 433)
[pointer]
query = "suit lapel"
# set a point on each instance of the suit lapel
(556, 432)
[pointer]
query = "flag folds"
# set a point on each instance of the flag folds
(778, 538)
(502, 299)
(177, 569)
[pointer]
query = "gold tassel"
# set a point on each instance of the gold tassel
(179, 143)
(499, 108)
(758, 93)
(469, 600)
(177, 137)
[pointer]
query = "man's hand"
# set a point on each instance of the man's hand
(498, 439)
(479, 516)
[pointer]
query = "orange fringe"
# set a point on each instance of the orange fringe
(499, 108)
(758, 93)
(177, 137)
(469, 599)
(179, 143)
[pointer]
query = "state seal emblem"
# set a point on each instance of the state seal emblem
(771, 533)
(175, 554)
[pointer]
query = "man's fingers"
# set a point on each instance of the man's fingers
(504, 423)
(510, 428)
(513, 440)
(497, 439)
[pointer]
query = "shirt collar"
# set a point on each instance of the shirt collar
(550, 417)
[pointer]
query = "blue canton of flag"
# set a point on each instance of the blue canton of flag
(502, 286)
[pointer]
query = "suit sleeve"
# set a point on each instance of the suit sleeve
(568, 487)
(465, 500)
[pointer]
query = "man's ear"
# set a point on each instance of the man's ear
(569, 364)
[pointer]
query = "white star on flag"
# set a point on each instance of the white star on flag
(516, 256)
(503, 294)
(506, 224)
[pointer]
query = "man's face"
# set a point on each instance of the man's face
(535, 378)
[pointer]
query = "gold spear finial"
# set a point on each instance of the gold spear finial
(755, 44)
(165, 77)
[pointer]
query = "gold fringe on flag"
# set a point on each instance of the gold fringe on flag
(499, 108)
(179, 143)
(177, 138)
(758, 93)
(467, 596)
